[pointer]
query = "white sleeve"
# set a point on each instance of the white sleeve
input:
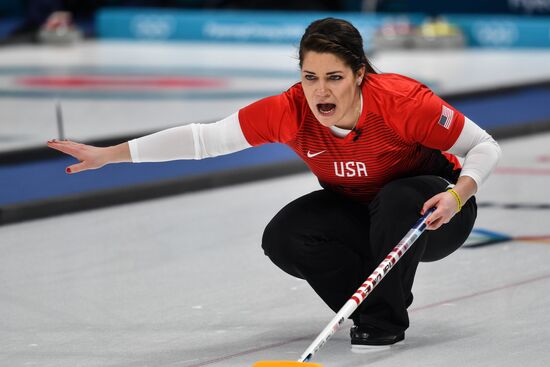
(480, 151)
(193, 141)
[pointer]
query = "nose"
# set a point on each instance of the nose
(321, 90)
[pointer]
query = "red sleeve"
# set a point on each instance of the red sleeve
(428, 120)
(273, 119)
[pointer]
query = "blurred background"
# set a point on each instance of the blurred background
(21, 20)
(106, 71)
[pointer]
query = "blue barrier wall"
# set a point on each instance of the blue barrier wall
(281, 27)
(504, 31)
(223, 26)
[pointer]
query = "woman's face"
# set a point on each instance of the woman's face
(332, 89)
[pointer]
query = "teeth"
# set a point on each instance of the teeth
(322, 107)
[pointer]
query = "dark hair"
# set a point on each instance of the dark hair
(338, 37)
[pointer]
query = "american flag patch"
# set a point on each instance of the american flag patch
(446, 117)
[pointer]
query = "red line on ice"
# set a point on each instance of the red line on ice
(416, 309)
(522, 171)
(91, 81)
(482, 293)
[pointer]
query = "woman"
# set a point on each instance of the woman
(384, 149)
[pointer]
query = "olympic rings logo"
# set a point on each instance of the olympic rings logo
(495, 33)
(153, 26)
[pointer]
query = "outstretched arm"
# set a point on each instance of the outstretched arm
(193, 141)
(91, 157)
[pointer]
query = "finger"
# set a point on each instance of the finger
(429, 204)
(64, 148)
(442, 219)
(435, 224)
(434, 217)
(75, 168)
(63, 143)
(430, 220)
(55, 145)
(70, 142)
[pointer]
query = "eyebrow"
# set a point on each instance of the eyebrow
(329, 73)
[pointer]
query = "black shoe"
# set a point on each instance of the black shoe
(365, 338)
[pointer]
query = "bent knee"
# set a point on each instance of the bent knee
(277, 242)
(281, 249)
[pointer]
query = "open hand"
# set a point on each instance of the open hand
(90, 157)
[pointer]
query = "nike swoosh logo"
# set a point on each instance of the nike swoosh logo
(311, 155)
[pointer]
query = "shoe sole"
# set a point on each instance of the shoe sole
(363, 349)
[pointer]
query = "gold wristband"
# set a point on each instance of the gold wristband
(457, 198)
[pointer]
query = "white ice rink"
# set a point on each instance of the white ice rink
(182, 281)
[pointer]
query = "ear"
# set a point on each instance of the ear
(360, 75)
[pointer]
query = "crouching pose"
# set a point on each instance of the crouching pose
(384, 148)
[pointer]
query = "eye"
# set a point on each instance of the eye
(336, 77)
(309, 77)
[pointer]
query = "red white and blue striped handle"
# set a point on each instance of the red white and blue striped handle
(366, 288)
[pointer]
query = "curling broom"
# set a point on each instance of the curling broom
(358, 297)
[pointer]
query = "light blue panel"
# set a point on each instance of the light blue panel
(504, 31)
(283, 27)
(224, 26)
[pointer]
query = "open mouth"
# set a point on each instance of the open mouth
(326, 109)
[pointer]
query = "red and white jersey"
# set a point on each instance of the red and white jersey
(402, 131)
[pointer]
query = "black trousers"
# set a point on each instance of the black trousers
(334, 244)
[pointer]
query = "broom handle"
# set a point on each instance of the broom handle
(366, 288)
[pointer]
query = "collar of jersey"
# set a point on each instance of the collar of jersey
(350, 135)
